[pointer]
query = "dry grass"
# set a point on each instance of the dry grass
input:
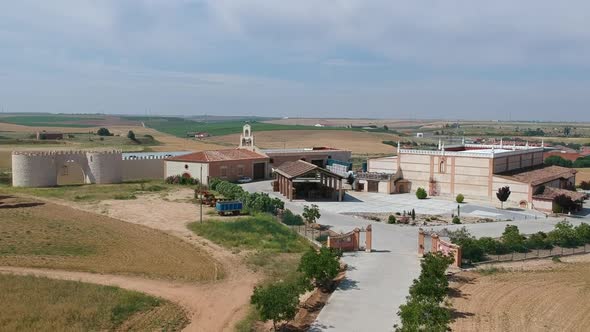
(356, 141)
(583, 175)
(542, 298)
(93, 192)
(58, 237)
(39, 304)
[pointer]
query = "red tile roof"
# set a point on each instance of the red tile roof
(219, 155)
(542, 175)
(550, 193)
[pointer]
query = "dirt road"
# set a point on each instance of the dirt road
(214, 306)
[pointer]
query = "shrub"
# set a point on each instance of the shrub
(214, 182)
(558, 161)
(131, 135)
(421, 193)
(583, 233)
(585, 185)
(564, 235)
(322, 238)
(538, 241)
(456, 220)
(291, 219)
(513, 239)
(460, 198)
(391, 219)
(178, 179)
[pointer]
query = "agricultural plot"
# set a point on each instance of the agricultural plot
(179, 127)
(49, 121)
(583, 175)
(45, 235)
(546, 296)
(40, 304)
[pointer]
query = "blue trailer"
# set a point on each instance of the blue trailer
(228, 207)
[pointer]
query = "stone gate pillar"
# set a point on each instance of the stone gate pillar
(420, 242)
(435, 240)
(369, 239)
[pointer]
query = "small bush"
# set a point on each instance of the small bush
(460, 198)
(374, 218)
(421, 193)
(456, 220)
(322, 238)
(391, 219)
(155, 187)
(291, 219)
(585, 185)
(178, 179)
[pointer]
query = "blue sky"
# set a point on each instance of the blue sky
(457, 59)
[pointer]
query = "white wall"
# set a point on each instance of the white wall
(194, 169)
(382, 165)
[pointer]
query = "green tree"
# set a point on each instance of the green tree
(423, 310)
(103, 132)
(320, 266)
(503, 194)
(277, 302)
(558, 161)
(583, 232)
(311, 213)
(564, 235)
(131, 135)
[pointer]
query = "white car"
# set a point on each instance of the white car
(244, 179)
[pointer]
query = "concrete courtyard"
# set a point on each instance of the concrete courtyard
(377, 283)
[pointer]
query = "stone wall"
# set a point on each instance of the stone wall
(41, 168)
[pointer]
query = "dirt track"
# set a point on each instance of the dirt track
(544, 297)
(214, 306)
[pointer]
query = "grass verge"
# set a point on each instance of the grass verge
(41, 304)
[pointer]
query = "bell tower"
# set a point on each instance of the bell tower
(247, 139)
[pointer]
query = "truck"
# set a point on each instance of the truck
(228, 207)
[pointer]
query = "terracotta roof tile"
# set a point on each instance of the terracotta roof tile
(550, 193)
(542, 175)
(219, 155)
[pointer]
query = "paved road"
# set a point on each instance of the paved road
(377, 283)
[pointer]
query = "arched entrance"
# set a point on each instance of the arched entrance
(70, 173)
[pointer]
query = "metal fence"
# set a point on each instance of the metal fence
(535, 254)
(309, 233)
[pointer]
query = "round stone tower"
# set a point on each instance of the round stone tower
(105, 167)
(34, 169)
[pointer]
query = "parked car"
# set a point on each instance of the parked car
(244, 179)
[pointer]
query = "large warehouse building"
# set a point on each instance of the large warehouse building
(472, 170)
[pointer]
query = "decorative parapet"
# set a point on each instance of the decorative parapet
(64, 152)
(466, 153)
(374, 176)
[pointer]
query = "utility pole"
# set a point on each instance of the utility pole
(201, 193)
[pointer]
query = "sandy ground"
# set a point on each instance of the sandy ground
(215, 306)
(357, 142)
(537, 295)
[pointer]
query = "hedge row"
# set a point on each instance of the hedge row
(563, 235)
(253, 202)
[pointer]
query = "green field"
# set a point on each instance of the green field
(49, 120)
(179, 127)
(40, 304)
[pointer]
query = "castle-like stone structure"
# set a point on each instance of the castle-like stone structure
(42, 168)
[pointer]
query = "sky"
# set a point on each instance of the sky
(453, 59)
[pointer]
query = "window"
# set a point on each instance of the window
(272, 161)
(64, 170)
(223, 171)
(240, 170)
(185, 166)
(442, 167)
